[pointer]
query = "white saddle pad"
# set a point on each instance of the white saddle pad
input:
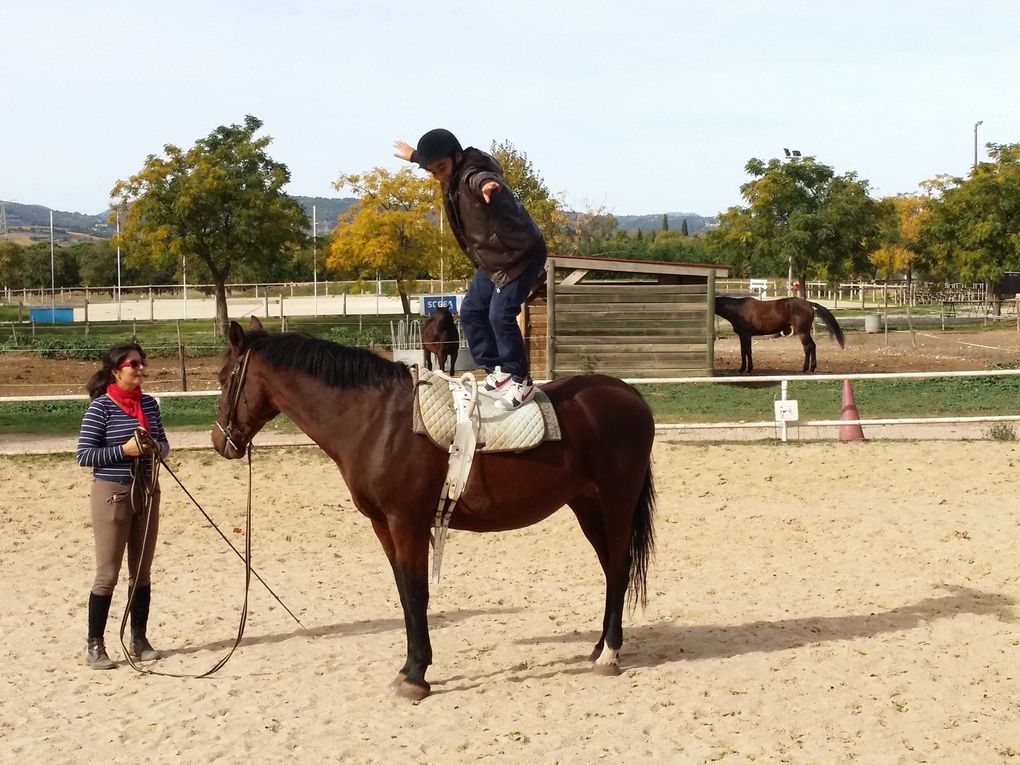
(499, 430)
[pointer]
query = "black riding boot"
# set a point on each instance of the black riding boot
(99, 609)
(140, 647)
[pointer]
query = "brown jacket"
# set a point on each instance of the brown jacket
(499, 237)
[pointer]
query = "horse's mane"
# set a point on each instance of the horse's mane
(338, 366)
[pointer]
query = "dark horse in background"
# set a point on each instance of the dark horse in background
(439, 337)
(357, 407)
(750, 316)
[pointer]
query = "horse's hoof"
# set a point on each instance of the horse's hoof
(607, 670)
(410, 690)
(397, 681)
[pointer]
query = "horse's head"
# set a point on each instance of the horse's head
(244, 406)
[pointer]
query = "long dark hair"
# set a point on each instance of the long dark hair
(116, 353)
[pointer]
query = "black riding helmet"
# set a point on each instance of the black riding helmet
(436, 145)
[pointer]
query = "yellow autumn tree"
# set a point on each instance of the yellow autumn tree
(901, 246)
(391, 230)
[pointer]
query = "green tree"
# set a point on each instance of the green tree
(972, 227)
(97, 263)
(41, 267)
(803, 216)
(12, 265)
(391, 230)
(220, 204)
(665, 222)
(683, 228)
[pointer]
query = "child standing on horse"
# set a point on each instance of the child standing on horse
(505, 245)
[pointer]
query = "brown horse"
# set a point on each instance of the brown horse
(357, 407)
(439, 336)
(750, 316)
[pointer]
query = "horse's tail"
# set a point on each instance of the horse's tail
(642, 541)
(830, 321)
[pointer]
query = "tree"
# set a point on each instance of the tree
(389, 230)
(12, 265)
(900, 246)
(665, 222)
(529, 187)
(42, 267)
(220, 204)
(97, 263)
(972, 229)
(684, 231)
(802, 215)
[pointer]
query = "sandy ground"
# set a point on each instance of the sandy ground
(824, 603)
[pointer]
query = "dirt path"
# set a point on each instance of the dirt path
(25, 375)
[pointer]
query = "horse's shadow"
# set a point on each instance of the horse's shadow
(339, 630)
(664, 642)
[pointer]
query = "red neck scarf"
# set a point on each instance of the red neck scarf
(130, 401)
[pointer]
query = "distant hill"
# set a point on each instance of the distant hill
(327, 210)
(32, 222)
(695, 223)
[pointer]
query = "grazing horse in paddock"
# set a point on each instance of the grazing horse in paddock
(750, 316)
(439, 336)
(357, 407)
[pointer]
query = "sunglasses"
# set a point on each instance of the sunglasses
(133, 363)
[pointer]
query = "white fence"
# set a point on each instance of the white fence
(780, 425)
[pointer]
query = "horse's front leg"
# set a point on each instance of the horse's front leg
(409, 561)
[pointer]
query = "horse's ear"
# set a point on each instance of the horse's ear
(236, 336)
(254, 323)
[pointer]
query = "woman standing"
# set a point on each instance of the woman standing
(108, 445)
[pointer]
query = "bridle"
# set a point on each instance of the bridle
(234, 391)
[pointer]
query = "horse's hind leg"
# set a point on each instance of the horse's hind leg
(745, 354)
(615, 559)
(810, 355)
(453, 360)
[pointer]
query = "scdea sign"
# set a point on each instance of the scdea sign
(429, 303)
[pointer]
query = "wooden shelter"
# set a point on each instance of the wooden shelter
(627, 318)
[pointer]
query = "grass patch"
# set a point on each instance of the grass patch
(751, 402)
(159, 338)
(64, 417)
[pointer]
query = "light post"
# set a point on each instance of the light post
(790, 155)
(315, 269)
(979, 122)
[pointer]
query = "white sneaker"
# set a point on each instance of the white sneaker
(495, 382)
(517, 394)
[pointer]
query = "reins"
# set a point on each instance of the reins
(155, 460)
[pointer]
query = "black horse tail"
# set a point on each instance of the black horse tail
(642, 542)
(830, 321)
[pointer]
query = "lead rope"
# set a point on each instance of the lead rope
(249, 571)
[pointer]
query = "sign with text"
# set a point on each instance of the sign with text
(429, 303)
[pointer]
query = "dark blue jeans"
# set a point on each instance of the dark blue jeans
(489, 319)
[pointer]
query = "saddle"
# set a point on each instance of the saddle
(498, 430)
(462, 421)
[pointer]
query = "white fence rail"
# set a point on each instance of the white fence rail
(780, 426)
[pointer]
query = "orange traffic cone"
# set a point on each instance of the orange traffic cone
(853, 431)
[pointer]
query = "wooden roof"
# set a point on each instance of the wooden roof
(638, 266)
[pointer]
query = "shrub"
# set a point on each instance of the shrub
(1001, 431)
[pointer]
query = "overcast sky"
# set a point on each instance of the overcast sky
(639, 107)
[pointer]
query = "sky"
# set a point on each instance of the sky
(623, 107)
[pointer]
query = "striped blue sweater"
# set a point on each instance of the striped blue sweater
(105, 427)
